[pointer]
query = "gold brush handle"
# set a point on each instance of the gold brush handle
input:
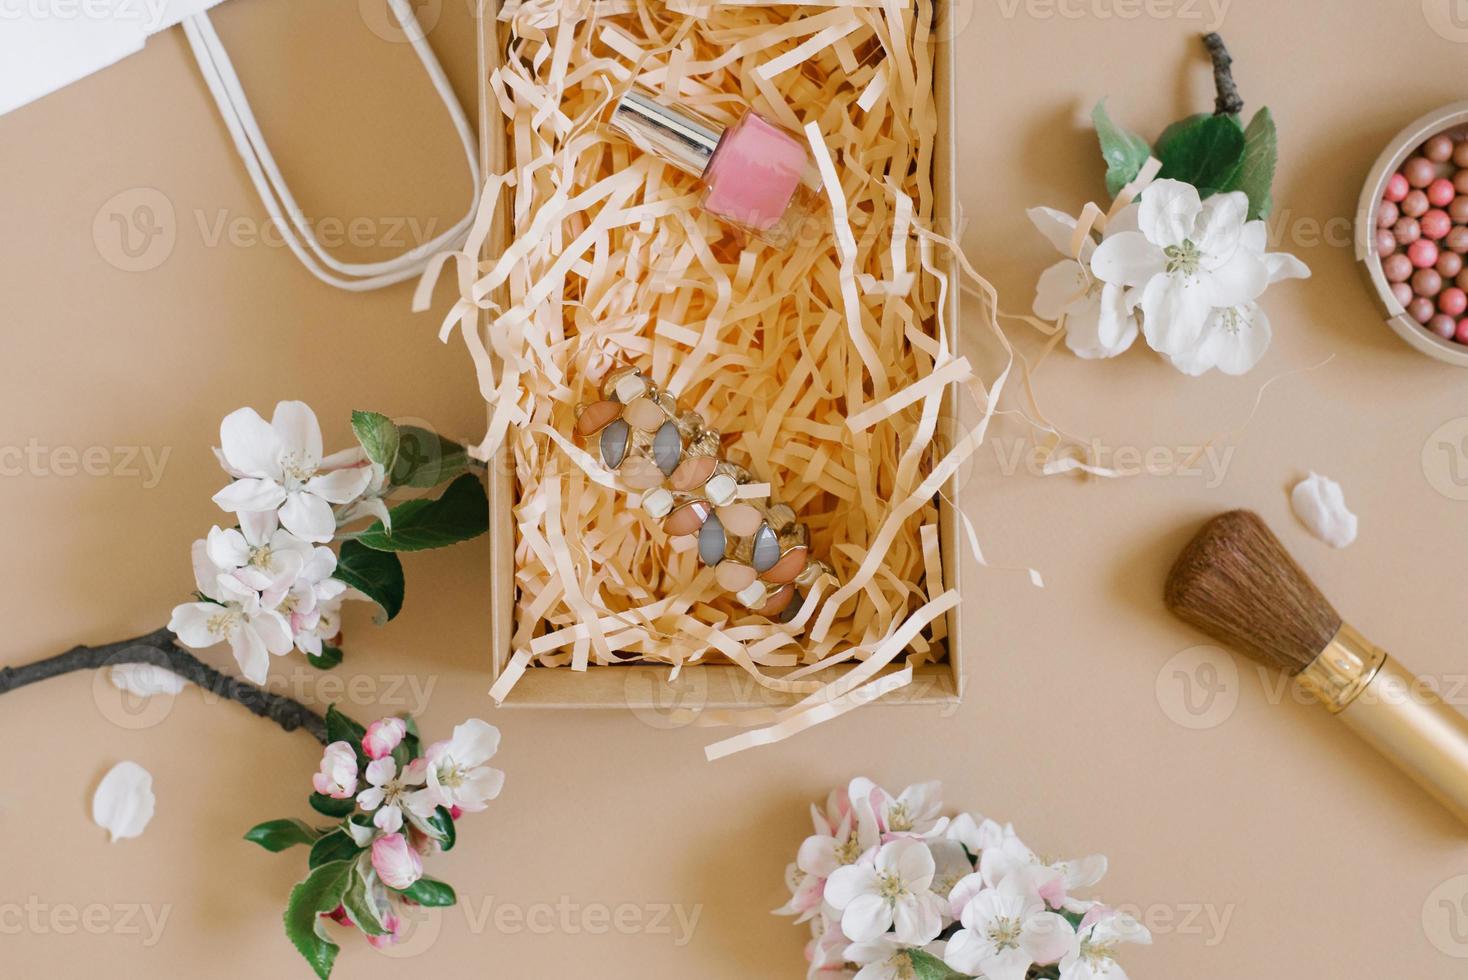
(1411, 726)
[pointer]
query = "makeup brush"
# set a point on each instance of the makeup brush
(1236, 582)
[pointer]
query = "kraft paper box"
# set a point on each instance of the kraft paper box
(645, 688)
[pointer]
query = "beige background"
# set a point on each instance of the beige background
(1321, 861)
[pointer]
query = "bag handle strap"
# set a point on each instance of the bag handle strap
(295, 229)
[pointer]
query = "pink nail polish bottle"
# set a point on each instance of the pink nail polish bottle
(757, 176)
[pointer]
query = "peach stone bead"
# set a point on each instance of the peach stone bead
(693, 473)
(597, 416)
(791, 564)
(640, 473)
(645, 414)
(688, 518)
(741, 519)
(733, 576)
(776, 603)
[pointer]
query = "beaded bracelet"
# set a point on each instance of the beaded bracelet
(756, 547)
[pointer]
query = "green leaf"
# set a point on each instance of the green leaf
(1124, 152)
(321, 892)
(926, 966)
(343, 728)
(329, 807)
(361, 905)
(442, 822)
(335, 846)
(329, 657)
(1255, 175)
(277, 835)
(376, 574)
(378, 436)
(417, 525)
(1204, 150)
(429, 892)
(426, 459)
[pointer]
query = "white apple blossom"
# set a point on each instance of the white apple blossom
(1094, 956)
(234, 614)
(260, 554)
(889, 890)
(915, 812)
(279, 466)
(842, 836)
(456, 773)
(388, 791)
(382, 736)
(1185, 260)
(1235, 337)
(883, 959)
(1006, 930)
(1098, 320)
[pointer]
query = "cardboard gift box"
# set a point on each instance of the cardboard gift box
(647, 688)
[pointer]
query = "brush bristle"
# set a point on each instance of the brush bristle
(1236, 582)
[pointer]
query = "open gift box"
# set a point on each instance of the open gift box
(709, 691)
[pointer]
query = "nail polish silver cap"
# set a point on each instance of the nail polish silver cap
(678, 135)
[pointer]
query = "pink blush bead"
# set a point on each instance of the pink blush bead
(1443, 325)
(1420, 171)
(1439, 149)
(1415, 204)
(1453, 301)
(1407, 230)
(1386, 242)
(1461, 334)
(1449, 264)
(1435, 224)
(1398, 268)
(1396, 188)
(1403, 293)
(1387, 214)
(1441, 192)
(1420, 309)
(1422, 254)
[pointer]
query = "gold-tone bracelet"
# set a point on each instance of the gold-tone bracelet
(757, 548)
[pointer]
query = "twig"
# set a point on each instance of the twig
(1229, 102)
(159, 649)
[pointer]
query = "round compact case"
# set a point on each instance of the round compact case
(758, 550)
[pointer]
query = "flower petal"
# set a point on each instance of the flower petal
(340, 486)
(227, 548)
(1174, 309)
(474, 742)
(190, 623)
(917, 919)
(849, 882)
(296, 427)
(866, 918)
(308, 516)
(1240, 280)
(145, 680)
(250, 494)
(1283, 265)
(250, 653)
(1128, 259)
(1169, 212)
(124, 801)
(1047, 937)
(1058, 228)
(1220, 227)
(1058, 288)
(250, 446)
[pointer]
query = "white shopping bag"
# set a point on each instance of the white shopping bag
(48, 44)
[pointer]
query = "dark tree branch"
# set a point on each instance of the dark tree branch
(160, 649)
(1229, 102)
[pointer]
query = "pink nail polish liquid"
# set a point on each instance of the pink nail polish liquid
(757, 176)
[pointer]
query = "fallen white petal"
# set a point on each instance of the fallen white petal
(145, 680)
(1320, 505)
(123, 804)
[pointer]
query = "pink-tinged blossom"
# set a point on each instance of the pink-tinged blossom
(397, 864)
(338, 776)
